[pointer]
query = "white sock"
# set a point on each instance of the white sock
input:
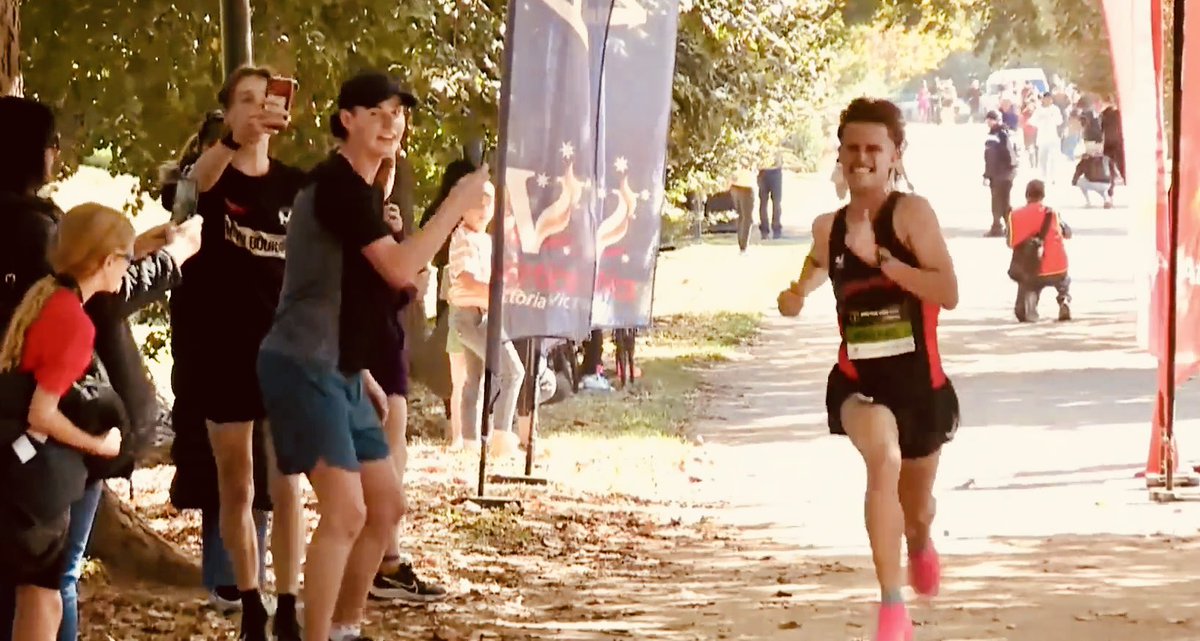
(344, 632)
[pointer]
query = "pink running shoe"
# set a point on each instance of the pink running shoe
(925, 571)
(894, 623)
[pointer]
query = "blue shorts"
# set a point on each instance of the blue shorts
(318, 414)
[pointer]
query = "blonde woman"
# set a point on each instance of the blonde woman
(51, 338)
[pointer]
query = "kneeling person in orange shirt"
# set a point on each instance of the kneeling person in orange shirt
(1026, 222)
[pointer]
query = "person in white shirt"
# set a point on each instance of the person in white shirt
(468, 273)
(1048, 120)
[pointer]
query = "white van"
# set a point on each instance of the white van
(1000, 81)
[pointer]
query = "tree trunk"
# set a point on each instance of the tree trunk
(129, 549)
(10, 48)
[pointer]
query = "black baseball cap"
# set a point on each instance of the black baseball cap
(368, 89)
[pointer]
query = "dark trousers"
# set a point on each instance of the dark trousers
(770, 185)
(1029, 293)
(1116, 152)
(743, 204)
(1001, 202)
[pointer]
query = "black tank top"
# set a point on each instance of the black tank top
(889, 336)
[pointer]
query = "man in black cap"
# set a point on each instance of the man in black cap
(999, 170)
(325, 408)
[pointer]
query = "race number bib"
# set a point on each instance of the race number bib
(879, 333)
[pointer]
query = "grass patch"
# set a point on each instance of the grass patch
(672, 357)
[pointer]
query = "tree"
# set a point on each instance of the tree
(1067, 36)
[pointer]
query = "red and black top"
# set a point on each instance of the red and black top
(889, 335)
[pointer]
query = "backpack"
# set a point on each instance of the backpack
(1010, 148)
(1026, 263)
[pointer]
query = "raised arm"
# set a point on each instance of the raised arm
(400, 262)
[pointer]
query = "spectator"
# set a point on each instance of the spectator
(1046, 120)
(1096, 173)
(325, 408)
(770, 188)
(741, 190)
(470, 272)
(1027, 222)
(194, 485)
(1114, 138)
(245, 201)
(30, 222)
(1000, 159)
(51, 338)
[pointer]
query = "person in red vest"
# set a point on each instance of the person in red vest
(1024, 224)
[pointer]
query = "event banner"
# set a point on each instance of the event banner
(590, 91)
(549, 245)
(633, 74)
(1136, 34)
(1131, 31)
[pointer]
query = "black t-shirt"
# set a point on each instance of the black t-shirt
(351, 210)
(237, 275)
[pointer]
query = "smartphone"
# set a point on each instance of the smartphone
(280, 91)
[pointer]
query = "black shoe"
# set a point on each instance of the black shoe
(1064, 312)
(254, 617)
(253, 626)
(403, 585)
(286, 624)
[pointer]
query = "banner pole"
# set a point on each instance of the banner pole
(495, 310)
(1168, 395)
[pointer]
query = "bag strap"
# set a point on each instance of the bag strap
(1041, 235)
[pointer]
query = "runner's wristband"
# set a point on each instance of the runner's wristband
(230, 143)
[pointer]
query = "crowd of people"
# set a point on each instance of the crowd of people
(287, 290)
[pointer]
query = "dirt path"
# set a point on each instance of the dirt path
(1045, 531)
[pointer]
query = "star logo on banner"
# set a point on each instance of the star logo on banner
(568, 151)
(543, 180)
(645, 195)
(601, 193)
(621, 165)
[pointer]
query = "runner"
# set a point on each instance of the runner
(325, 408)
(891, 275)
(245, 200)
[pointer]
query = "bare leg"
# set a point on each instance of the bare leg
(233, 453)
(872, 429)
(385, 507)
(287, 524)
(397, 436)
(39, 613)
(458, 380)
(343, 513)
(916, 498)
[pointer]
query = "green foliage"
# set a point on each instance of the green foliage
(137, 77)
(1066, 36)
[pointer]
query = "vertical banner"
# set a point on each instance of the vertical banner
(549, 249)
(590, 92)
(1132, 27)
(1187, 347)
(635, 73)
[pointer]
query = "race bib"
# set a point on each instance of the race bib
(879, 333)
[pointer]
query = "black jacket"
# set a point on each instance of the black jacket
(1096, 168)
(999, 155)
(29, 224)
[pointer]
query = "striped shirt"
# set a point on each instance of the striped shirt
(470, 254)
